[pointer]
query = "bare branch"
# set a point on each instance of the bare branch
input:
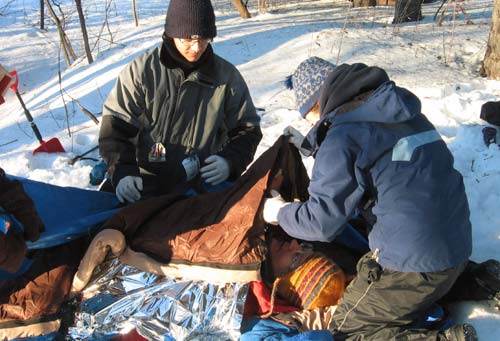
(134, 13)
(5, 7)
(83, 109)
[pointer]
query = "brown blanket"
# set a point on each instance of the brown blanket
(29, 304)
(222, 229)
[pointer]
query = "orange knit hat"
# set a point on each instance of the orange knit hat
(317, 283)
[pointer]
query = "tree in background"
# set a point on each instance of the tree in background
(84, 31)
(134, 13)
(42, 15)
(491, 62)
(366, 3)
(242, 9)
(67, 49)
(263, 6)
(407, 10)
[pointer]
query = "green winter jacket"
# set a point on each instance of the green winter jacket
(208, 112)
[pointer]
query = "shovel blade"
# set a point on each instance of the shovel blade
(51, 146)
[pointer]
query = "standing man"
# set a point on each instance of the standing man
(372, 141)
(178, 115)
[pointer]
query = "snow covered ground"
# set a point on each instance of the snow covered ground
(438, 63)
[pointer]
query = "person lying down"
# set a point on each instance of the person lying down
(221, 238)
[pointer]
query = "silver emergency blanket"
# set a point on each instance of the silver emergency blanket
(120, 298)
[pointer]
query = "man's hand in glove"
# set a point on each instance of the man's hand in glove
(272, 206)
(129, 189)
(216, 170)
(295, 136)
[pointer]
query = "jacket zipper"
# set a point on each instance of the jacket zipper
(168, 133)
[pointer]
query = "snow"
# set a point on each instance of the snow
(438, 63)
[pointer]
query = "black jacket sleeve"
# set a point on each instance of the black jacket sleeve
(117, 148)
(241, 148)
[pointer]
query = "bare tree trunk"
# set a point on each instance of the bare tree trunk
(367, 3)
(61, 32)
(262, 6)
(364, 3)
(241, 9)
(491, 62)
(134, 12)
(407, 10)
(65, 43)
(42, 15)
(84, 31)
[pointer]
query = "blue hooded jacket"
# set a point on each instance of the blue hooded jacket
(385, 147)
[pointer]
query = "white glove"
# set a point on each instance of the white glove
(216, 170)
(272, 206)
(128, 189)
(295, 137)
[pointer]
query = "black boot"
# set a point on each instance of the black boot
(477, 282)
(461, 332)
(487, 277)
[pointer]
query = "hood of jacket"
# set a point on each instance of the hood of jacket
(340, 101)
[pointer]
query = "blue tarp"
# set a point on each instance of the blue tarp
(67, 212)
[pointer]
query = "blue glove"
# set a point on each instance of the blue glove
(98, 173)
(216, 170)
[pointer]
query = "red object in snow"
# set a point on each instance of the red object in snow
(51, 146)
(14, 86)
(5, 82)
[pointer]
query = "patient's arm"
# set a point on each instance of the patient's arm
(104, 241)
(114, 240)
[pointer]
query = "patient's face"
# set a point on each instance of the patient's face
(286, 256)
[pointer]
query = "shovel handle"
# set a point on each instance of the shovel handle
(29, 118)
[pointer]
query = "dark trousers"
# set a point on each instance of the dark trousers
(381, 304)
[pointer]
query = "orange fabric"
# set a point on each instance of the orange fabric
(317, 283)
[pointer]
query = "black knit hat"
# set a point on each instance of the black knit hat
(190, 19)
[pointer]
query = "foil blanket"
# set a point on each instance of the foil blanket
(120, 298)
